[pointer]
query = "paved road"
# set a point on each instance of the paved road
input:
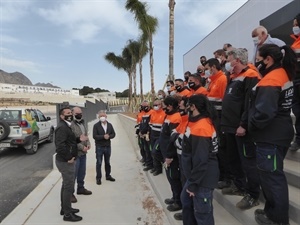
(21, 173)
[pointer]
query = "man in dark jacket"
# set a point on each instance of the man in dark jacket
(103, 131)
(66, 153)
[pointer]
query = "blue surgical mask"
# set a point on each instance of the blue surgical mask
(296, 30)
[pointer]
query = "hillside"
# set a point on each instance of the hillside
(19, 78)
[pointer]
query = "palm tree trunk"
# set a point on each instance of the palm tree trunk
(141, 80)
(130, 92)
(171, 39)
(151, 67)
(134, 87)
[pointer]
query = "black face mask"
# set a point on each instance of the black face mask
(186, 78)
(182, 111)
(261, 66)
(146, 108)
(203, 63)
(191, 84)
(178, 88)
(78, 116)
(68, 118)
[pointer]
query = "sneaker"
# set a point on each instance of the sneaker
(83, 191)
(174, 207)
(232, 190)
(294, 147)
(247, 202)
(262, 219)
(169, 201)
(73, 199)
(178, 216)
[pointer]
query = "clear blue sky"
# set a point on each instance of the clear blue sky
(63, 42)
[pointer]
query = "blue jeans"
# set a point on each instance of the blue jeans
(197, 210)
(100, 152)
(80, 171)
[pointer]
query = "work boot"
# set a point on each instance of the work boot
(174, 207)
(223, 184)
(247, 202)
(294, 147)
(233, 190)
(169, 201)
(72, 217)
(73, 199)
(262, 219)
(83, 191)
(178, 216)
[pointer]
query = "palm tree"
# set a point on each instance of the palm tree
(148, 25)
(123, 62)
(171, 39)
(143, 50)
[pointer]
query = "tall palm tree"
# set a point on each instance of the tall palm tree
(148, 25)
(171, 39)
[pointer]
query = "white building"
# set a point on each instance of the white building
(104, 96)
(17, 88)
(275, 15)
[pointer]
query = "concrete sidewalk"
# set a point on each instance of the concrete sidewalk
(135, 198)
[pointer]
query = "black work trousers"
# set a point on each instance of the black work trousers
(247, 151)
(173, 175)
(234, 162)
(155, 150)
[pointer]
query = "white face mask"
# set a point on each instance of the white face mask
(168, 88)
(160, 96)
(207, 73)
(255, 40)
(296, 30)
(102, 118)
(155, 108)
(228, 67)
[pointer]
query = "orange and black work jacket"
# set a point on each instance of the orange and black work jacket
(199, 149)
(270, 114)
(178, 132)
(216, 89)
(296, 47)
(144, 125)
(199, 90)
(172, 120)
(184, 92)
(138, 121)
(235, 103)
(156, 122)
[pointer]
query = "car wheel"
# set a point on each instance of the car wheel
(4, 130)
(51, 135)
(34, 145)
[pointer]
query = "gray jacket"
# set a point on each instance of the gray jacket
(77, 131)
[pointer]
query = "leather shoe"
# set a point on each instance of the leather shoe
(148, 168)
(72, 211)
(72, 217)
(83, 191)
(174, 207)
(157, 173)
(110, 178)
(73, 199)
(98, 181)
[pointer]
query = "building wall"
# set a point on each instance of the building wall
(235, 30)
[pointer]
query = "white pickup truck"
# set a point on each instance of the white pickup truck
(24, 128)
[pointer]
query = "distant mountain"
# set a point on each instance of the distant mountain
(19, 78)
(14, 78)
(45, 85)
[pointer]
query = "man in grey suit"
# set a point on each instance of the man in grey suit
(103, 132)
(78, 127)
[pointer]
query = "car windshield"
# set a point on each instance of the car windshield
(10, 114)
